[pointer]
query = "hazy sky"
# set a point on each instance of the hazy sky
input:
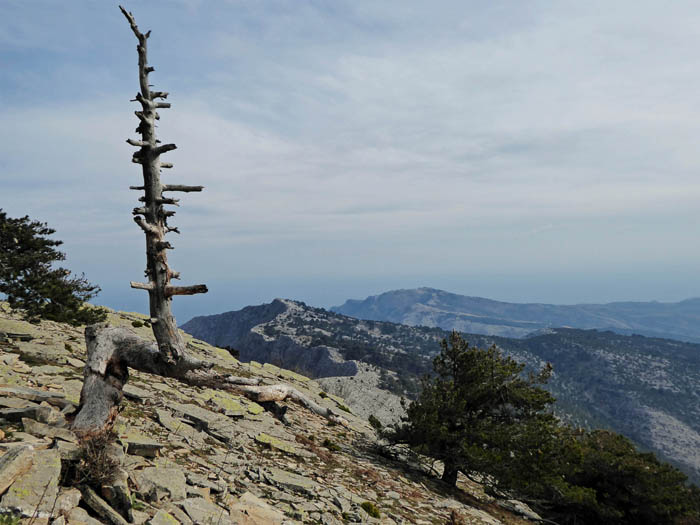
(526, 151)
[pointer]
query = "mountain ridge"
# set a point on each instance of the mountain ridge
(438, 308)
(645, 388)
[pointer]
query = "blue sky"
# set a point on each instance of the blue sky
(524, 151)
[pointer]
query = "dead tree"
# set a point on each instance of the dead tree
(111, 351)
(152, 216)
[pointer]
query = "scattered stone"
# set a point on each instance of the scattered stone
(203, 511)
(36, 489)
(198, 480)
(30, 394)
(276, 444)
(288, 480)
(68, 499)
(42, 430)
(68, 451)
(201, 417)
(163, 518)
(178, 513)
(156, 483)
(251, 510)
(13, 464)
(77, 363)
(141, 445)
(137, 394)
(101, 507)
(16, 415)
(15, 402)
(79, 516)
(118, 495)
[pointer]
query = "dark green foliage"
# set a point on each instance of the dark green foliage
(137, 324)
(478, 413)
(30, 282)
(611, 482)
(236, 354)
(376, 424)
(371, 509)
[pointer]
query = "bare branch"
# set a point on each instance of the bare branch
(185, 290)
(166, 165)
(141, 286)
(137, 143)
(147, 228)
(174, 202)
(181, 187)
(136, 187)
(164, 149)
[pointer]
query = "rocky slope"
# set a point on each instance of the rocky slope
(647, 389)
(431, 307)
(196, 455)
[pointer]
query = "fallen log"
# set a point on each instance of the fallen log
(281, 392)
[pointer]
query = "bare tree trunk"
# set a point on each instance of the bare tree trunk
(112, 351)
(152, 216)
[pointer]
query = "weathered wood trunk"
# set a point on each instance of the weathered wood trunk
(152, 217)
(112, 351)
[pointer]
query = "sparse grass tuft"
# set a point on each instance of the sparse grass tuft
(371, 509)
(96, 466)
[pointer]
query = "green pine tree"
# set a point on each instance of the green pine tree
(32, 285)
(479, 413)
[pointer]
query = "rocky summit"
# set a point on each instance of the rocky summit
(195, 455)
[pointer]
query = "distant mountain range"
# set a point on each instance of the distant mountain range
(431, 307)
(645, 388)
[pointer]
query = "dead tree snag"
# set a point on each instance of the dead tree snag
(111, 351)
(152, 218)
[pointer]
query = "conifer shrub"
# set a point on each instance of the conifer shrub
(30, 281)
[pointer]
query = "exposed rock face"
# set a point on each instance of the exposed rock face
(245, 331)
(194, 455)
(363, 395)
